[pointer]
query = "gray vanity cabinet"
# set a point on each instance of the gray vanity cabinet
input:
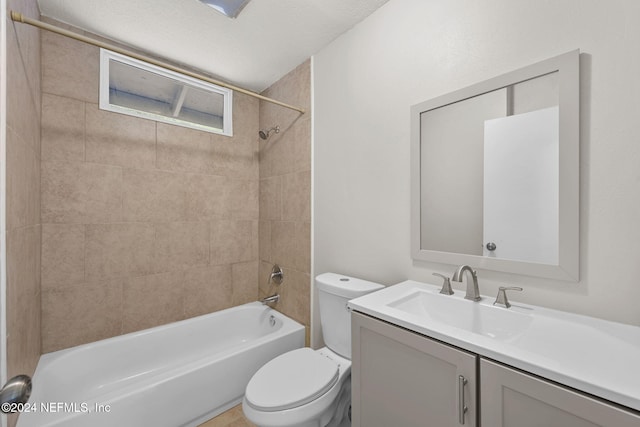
(404, 379)
(401, 378)
(510, 398)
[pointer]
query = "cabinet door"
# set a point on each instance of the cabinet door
(404, 379)
(510, 398)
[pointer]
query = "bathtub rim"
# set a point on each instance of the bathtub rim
(288, 325)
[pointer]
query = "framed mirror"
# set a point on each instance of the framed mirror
(495, 173)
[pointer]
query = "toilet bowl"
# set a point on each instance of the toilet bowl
(305, 387)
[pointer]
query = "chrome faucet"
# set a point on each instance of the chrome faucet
(270, 299)
(473, 293)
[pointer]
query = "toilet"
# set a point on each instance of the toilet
(305, 387)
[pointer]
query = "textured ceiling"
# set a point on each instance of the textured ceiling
(267, 40)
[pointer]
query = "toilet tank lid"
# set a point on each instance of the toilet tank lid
(345, 286)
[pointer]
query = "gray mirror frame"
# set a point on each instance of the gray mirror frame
(568, 67)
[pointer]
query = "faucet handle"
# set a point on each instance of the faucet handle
(446, 284)
(277, 275)
(501, 298)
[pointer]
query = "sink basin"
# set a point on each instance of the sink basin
(491, 321)
(588, 354)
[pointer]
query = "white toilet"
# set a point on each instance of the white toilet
(305, 387)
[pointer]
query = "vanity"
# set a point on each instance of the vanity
(495, 184)
(421, 358)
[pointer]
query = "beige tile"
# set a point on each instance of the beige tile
(207, 197)
(207, 290)
(299, 297)
(118, 139)
(23, 108)
(293, 88)
(279, 156)
(154, 196)
(302, 147)
(62, 255)
(81, 193)
(29, 43)
(302, 259)
(23, 183)
(245, 282)
(152, 300)
(233, 158)
(70, 68)
(265, 157)
(62, 128)
(23, 260)
(246, 111)
(264, 240)
(243, 199)
(296, 197)
(283, 243)
(80, 314)
(271, 198)
(181, 245)
(185, 150)
(119, 250)
(189, 150)
(23, 299)
(289, 151)
(239, 156)
(233, 241)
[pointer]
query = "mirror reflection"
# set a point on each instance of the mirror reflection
(489, 174)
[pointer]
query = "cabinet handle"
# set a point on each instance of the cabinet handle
(462, 408)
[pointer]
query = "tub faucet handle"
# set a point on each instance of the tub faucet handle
(277, 275)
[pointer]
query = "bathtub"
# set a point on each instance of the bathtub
(180, 374)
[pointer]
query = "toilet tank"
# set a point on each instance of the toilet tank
(334, 290)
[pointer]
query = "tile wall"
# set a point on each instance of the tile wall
(285, 194)
(23, 192)
(143, 223)
(23, 227)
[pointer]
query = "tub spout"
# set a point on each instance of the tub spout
(270, 299)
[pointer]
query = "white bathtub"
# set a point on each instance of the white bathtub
(180, 374)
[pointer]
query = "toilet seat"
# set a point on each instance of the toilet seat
(291, 380)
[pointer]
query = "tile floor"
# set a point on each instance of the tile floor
(232, 418)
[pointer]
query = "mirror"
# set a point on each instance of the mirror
(495, 173)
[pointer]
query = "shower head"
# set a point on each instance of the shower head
(265, 134)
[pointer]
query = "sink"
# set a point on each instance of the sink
(588, 354)
(478, 318)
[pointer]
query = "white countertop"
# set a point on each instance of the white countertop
(596, 356)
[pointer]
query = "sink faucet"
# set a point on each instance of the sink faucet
(473, 293)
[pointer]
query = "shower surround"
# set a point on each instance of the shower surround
(285, 194)
(23, 227)
(145, 223)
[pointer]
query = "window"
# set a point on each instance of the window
(136, 88)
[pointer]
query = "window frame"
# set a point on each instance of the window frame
(104, 101)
